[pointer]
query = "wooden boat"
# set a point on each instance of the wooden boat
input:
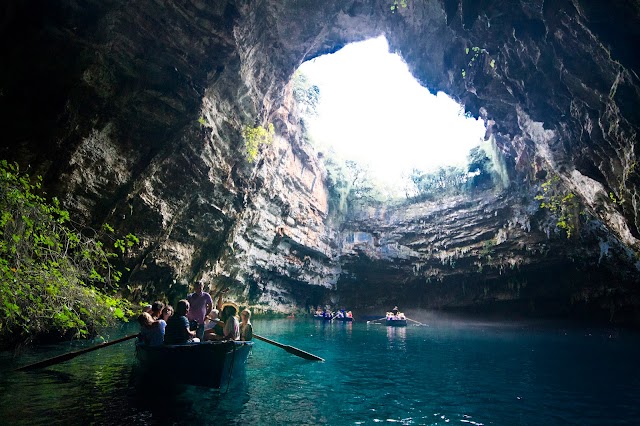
(210, 364)
(396, 321)
(344, 319)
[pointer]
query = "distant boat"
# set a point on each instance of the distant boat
(325, 316)
(343, 316)
(211, 364)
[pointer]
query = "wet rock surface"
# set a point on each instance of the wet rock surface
(133, 113)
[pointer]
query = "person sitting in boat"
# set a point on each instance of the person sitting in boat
(340, 314)
(349, 314)
(246, 329)
(156, 309)
(155, 332)
(395, 311)
(231, 329)
(219, 302)
(177, 331)
(167, 312)
(146, 324)
(200, 303)
(213, 324)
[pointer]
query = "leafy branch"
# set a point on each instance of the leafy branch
(397, 4)
(254, 138)
(563, 206)
(53, 278)
(475, 53)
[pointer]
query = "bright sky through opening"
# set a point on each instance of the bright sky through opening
(373, 111)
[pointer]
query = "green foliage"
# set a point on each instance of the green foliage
(443, 182)
(446, 181)
(53, 279)
(254, 138)
(613, 198)
(487, 247)
(476, 53)
(350, 186)
(397, 4)
(307, 95)
(563, 206)
(202, 121)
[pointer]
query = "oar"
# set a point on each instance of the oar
(376, 320)
(290, 349)
(61, 358)
(415, 321)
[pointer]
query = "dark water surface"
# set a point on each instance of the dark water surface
(448, 372)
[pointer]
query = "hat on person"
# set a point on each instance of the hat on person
(225, 304)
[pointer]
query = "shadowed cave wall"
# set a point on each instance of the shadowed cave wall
(133, 113)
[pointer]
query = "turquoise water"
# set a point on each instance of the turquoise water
(447, 372)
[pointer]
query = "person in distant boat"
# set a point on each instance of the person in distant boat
(395, 311)
(156, 309)
(246, 329)
(177, 331)
(200, 303)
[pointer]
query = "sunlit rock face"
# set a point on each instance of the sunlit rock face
(133, 113)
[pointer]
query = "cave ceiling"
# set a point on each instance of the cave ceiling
(132, 112)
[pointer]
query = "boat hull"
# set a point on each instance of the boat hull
(209, 364)
(345, 319)
(322, 318)
(397, 323)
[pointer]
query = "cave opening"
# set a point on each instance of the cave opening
(364, 108)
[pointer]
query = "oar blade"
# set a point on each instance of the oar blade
(290, 349)
(65, 357)
(47, 362)
(302, 354)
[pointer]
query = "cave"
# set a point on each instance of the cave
(133, 114)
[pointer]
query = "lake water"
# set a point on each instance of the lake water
(447, 372)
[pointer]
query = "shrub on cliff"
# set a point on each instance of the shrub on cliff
(254, 138)
(54, 281)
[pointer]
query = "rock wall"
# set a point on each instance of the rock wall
(133, 113)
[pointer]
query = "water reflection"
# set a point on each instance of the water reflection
(397, 338)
